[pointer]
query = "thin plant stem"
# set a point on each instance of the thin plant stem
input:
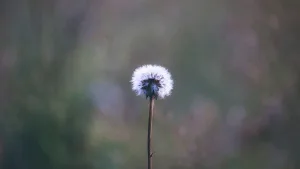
(149, 146)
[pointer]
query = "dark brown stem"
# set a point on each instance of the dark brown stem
(150, 154)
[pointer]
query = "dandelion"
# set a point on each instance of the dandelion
(153, 82)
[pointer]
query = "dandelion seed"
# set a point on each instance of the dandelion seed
(152, 81)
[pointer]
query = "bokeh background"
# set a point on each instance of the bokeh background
(66, 101)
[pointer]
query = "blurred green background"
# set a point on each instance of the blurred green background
(66, 101)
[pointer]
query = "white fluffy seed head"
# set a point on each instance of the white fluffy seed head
(155, 72)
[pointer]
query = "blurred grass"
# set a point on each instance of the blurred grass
(235, 66)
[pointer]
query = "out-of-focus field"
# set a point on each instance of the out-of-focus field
(66, 100)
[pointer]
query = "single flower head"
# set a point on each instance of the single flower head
(152, 81)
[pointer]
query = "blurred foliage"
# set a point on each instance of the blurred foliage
(66, 102)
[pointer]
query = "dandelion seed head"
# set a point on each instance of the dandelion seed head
(152, 80)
